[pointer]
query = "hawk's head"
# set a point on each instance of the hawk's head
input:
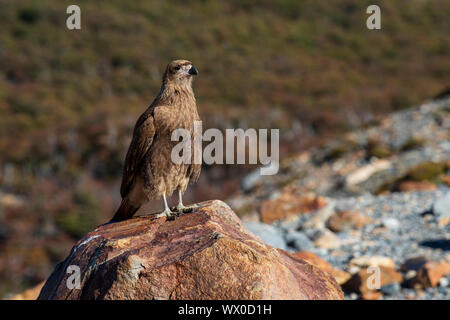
(180, 71)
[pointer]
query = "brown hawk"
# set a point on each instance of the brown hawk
(149, 172)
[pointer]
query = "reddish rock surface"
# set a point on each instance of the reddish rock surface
(339, 275)
(361, 282)
(207, 254)
(430, 274)
(315, 260)
(289, 204)
(347, 220)
(410, 186)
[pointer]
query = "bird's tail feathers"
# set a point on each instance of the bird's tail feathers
(125, 211)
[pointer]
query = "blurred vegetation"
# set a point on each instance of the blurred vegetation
(69, 99)
(83, 218)
(377, 149)
(428, 171)
(413, 143)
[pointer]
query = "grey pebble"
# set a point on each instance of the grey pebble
(299, 241)
(391, 223)
(390, 289)
(268, 233)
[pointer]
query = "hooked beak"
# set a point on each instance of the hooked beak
(193, 71)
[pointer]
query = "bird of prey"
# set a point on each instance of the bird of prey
(149, 172)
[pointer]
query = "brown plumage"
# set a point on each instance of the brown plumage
(149, 172)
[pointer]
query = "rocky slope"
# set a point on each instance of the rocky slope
(378, 196)
(205, 254)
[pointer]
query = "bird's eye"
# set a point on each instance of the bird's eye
(177, 68)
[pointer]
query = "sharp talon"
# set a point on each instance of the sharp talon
(181, 209)
(168, 214)
(171, 215)
(187, 209)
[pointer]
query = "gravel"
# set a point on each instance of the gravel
(391, 289)
(405, 225)
(268, 233)
(441, 208)
(299, 241)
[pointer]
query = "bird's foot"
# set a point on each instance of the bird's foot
(168, 214)
(185, 209)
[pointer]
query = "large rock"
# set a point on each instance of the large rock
(340, 275)
(207, 254)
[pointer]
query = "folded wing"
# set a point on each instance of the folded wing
(143, 135)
